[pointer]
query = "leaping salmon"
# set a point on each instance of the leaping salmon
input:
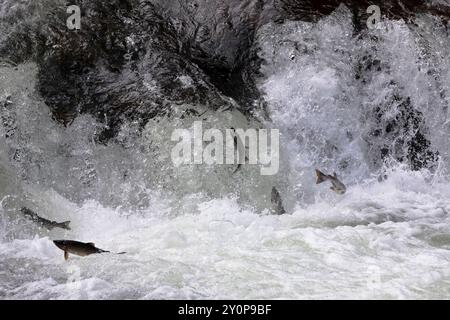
(337, 185)
(44, 222)
(78, 248)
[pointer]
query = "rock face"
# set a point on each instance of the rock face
(126, 62)
(136, 59)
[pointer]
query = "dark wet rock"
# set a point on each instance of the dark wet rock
(126, 62)
(403, 136)
(218, 36)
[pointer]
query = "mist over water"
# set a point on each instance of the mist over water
(370, 105)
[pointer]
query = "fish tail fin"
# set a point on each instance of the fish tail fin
(121, 253)
(280, 210)
(321, 177)
(65, 225)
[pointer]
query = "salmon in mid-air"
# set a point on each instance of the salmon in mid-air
(44, 222)
(78, 248)
(337, 185)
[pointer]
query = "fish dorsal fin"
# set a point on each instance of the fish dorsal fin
(320, 177)
(334, 175)
(91, 244)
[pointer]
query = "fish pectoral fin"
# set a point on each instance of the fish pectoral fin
(66, 255)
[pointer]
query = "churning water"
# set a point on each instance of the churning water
(357, 103)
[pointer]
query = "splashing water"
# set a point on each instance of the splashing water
(200, 232)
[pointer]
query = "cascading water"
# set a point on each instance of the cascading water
(92, 145)
(350, 103)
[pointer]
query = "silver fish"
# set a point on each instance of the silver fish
(44, 222)
(78, 248)
(337, 185)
